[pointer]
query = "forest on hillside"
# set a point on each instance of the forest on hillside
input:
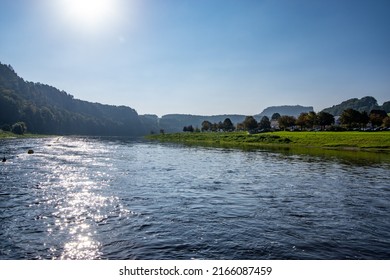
(44, 109)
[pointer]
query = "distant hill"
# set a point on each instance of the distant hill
(386, 106)
(47, 110)
(367, 104)
(288, 110)
(176, 122)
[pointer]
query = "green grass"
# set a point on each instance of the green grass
(10, 135)
(349, 140)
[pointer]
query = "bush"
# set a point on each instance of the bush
(19, 128)
(6, 127)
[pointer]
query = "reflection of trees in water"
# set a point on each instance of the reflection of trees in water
(348, 157)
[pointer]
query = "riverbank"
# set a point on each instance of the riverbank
(348, 140)
(10, 135)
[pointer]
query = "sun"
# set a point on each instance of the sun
(88, 15)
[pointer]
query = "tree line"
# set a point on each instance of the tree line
(349, 119)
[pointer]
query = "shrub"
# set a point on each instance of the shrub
(19, 128)
(6, 127)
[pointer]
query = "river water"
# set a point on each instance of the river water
(108, 198)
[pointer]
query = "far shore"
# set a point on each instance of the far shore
(10, 135)
(347, 140)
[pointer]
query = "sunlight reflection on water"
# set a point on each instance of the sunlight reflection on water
(80, 206)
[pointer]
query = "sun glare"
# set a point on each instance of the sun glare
(90, 15)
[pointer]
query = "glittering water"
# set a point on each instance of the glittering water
(91, 198)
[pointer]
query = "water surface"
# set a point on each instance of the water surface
(107, 198)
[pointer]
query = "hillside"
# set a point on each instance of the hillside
(367, 104)
(288, 110)
(47, 110)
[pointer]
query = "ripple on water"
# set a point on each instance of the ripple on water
(95, 198)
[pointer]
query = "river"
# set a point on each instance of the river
(116, 198)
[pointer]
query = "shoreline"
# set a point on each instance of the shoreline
(378, 142)
(4, 135)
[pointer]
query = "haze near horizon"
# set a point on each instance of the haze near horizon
(201, 57)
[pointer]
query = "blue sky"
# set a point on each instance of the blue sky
(201, 56)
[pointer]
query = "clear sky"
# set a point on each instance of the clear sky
(201, 56)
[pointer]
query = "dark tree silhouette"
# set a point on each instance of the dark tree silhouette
(376, 117)
(264, 123)
(286, 122)
(19, 128)
(250, 123)
(325, 119)
(228, 125)
(206, 126)
(275, 116)
(350, 118)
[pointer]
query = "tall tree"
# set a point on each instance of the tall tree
(350, 117)
(206, 126)
(286, 122)
(275, 116)
(311, 119)
(250, 123)
(325, 119)
(386, 122)
(363, 119)
(19, 128)
(376, 117)
(228, 125)
(302, 120)
(264, 123)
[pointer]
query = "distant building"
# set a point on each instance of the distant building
(274, 124)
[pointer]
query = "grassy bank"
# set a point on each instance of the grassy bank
(349, 140)
(10, 135)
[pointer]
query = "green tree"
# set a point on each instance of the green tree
(6, 127)
(325, 119)
(206, 126)
(228, 125)
(264, 123)
(350, 117)
(363, 119)
(190, 128)
(286, 122)
(302, 120)
(19, 128)
(250, 123)
(377, 117)
(214, 127)
(275, 116)
(311, 119)
(386, 107)
(386, 122)
(240, 127)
